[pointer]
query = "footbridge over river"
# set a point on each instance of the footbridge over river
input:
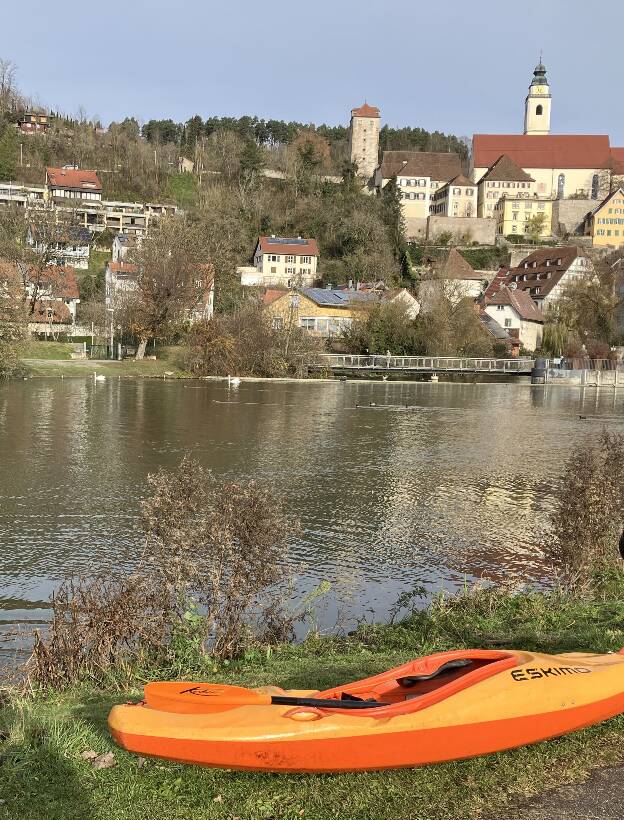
(345, 364)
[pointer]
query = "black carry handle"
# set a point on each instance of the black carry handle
(327, 703)
(449, 666)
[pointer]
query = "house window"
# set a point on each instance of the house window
(507, 322)
(539, 110)
(305, 260)
(500, 307)
(278, 322)
(307, 324)
(561, 186)
(290, 259)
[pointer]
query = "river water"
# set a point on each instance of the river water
(452, 488)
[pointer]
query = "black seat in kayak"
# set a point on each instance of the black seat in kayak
(449, 666)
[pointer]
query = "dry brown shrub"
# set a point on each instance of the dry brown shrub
(97, 624)
(207, 582)
(245, 343)
(587, 522)
(222, 544)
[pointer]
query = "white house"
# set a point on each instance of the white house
(282, 262)
(546, 272)
(69, 245)
(516, 312)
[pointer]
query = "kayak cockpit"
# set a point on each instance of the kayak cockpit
(422, 682)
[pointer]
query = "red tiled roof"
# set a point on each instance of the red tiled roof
(60, 312)
(506, 169)
(60, 280)
(456, 267)
(519, 300)
(76, 179)
(280, 245)
(543, 150)
(271, 295)
(123, 267)
(438, 166)
(365, 110)
(543, 276)
(462, 180)
(617, 155)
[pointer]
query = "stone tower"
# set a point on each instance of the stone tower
(538, 103)
(364, 139)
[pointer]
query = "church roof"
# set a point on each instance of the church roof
(544, 150)
(506, 169)
(365, 110)
(438, 166)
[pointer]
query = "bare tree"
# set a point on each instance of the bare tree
(9, 96)
(173, 273)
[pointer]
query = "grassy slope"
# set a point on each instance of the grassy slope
(42, 774)
(53, 351)
(52, 359)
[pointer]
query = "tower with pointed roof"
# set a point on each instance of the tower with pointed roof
(364, 139)
(538, 103)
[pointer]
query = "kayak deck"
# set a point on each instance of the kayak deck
(443, 707)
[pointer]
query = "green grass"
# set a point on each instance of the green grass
(53, 359)
(43, 775)
(183, 189)
(48, 350)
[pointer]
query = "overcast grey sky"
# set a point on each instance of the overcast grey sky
(460, 66)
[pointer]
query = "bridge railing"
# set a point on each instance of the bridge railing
(433, 363)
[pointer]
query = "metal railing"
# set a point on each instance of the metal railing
(336, 361)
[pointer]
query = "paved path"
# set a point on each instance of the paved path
(600, 797)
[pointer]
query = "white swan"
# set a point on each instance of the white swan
(98, 377)
(234, 381)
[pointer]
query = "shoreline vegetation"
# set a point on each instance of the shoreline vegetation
(110, 636)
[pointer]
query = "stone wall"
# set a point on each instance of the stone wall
(415, 227)
(568, 215)
(470, 228)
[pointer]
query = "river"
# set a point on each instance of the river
(452, 488)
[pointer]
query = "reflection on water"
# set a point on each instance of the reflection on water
(453, 487)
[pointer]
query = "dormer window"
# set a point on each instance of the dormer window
(547, 262)
(559, 261)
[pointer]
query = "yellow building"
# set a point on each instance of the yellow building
(328, 312)
(503, 178)
(605, 224)
(457, 198)
(516, 216)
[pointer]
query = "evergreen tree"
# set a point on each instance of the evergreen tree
(8, 153)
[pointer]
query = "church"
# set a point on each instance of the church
(562, 166)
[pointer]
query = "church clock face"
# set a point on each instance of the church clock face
(539, 89)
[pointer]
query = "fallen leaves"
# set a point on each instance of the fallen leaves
(102, 761)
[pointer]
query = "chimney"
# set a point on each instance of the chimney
(328, 286)
(350, 284)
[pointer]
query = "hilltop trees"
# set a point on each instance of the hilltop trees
(8, 152)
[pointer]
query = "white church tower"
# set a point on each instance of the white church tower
(538, 103)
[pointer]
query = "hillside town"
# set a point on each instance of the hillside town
(311, 411)
(551, 205)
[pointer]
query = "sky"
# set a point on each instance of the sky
(458, 66)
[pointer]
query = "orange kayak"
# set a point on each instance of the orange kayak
(445, 706)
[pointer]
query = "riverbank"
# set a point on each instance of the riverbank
(44, 773)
